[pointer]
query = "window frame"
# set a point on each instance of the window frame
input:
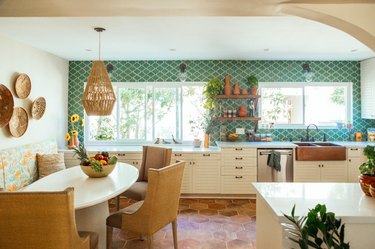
(302, 85)
(146, 86)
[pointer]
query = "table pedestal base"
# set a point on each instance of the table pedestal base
(94, 219)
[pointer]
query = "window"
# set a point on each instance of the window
(296, 105)
(147, 111)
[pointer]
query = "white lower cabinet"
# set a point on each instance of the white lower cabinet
(132, 158)
(238, 170)
(355, 159)
(201, 173)
(322, 171)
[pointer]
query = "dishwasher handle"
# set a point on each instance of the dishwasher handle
(268, 152)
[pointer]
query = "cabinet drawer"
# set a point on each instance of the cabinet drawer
(238, 158)
(180, 157)
(355, 152)
(127, 155)
(237, 184)
(205, 156)
(240, 151)
(238, 170)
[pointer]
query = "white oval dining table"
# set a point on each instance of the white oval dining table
(91, 195)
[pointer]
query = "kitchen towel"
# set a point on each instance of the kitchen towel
(273, 160)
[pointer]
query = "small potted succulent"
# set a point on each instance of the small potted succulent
(367, 170)
(252, 81)
(99, 165)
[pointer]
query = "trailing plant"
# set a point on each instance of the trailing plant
(368, 168)
(252, 81)
(319, 229)
(213, 87)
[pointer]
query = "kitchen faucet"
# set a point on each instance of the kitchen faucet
(307, 131)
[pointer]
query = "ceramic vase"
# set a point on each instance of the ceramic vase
(71, 143)
(227, 87)
(75, 140)
(244, 91)
(206, 140)
(242, 111)
(236, 90)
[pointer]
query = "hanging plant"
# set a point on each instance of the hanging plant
(212, 88)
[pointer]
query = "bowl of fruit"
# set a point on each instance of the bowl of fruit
(232, 137)
(99, 165)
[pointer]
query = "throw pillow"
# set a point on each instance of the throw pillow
(49, 163)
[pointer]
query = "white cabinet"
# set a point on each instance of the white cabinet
(322, 171)
(238, 170)
(355, 159)
(132, 158)
(368, 88)
(201, 173)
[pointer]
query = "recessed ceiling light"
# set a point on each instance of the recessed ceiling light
(88, 50)
(354, 50)
(266, 50)
(172, 49)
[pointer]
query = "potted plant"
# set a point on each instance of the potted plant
(212, 88)
(319, 229)
(252, 81)
(367, 170)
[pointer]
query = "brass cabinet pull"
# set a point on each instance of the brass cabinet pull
(178, 154)
(239, 167)
(239, 158)
(206, 154)
(354, 149)
(121, 154)
(238, 148)
(238, 177)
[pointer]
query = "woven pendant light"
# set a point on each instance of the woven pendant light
(98, 98)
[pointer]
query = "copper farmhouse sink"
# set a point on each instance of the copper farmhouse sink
(320, 152)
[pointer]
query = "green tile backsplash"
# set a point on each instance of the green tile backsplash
(266, 71)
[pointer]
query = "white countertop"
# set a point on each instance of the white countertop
(346, 200)
(256, 144)
(138, 148)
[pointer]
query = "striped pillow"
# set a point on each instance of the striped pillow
(49, 163)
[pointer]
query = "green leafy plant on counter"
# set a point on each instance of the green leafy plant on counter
(319, 229)
(368, 168)
(212, 88)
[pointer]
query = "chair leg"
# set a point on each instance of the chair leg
(109, 237)
(117, 203)
(174, 230)
(149, 241)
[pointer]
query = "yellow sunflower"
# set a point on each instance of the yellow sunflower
(74, 118)
(67, 137)
(74, 132)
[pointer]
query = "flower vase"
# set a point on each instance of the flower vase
(71, 143)
(236, 90)
(75, 140)
(206, 140)
(227, 87)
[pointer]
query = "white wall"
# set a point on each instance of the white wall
(49, 79)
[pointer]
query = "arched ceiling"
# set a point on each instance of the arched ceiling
(354, 17)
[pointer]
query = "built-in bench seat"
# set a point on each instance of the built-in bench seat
(18, 166)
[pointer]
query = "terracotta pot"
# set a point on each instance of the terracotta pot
(366, 181)
(253, 91)
(227, 87)
(242, 111)
(236, 90)
(244, 91)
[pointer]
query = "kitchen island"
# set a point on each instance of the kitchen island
(346, 200)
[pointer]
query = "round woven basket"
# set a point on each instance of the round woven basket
(90, 172)
(19, 122)
(38, 108)
(7, 104)
(23, 86)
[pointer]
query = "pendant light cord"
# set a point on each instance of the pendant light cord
(99, 30)
(99, 43)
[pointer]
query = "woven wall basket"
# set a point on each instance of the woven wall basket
(6, 105)
(19, 122)
(38, 108)
(98, 98)
(23, 86)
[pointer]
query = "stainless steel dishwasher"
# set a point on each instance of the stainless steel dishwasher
(269, 174)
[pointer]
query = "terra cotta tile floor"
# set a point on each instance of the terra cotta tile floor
(202, 224)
